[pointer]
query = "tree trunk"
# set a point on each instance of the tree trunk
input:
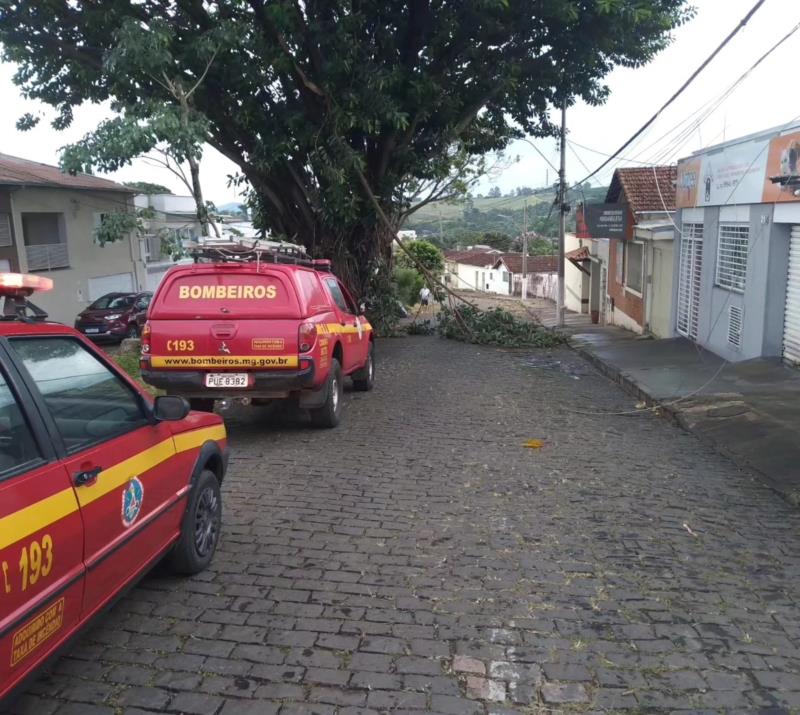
(197, 192)
(357, 256)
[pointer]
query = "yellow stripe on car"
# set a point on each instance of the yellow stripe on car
(220, 361)
(33, 518)
(21, 524)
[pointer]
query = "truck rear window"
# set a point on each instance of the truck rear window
(212, 295)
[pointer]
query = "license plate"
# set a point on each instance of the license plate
(227, 379)
(90, 331)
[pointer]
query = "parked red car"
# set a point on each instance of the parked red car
(114, 316)
(261, 325)
(98, 482)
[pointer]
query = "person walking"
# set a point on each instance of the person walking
(425, 298)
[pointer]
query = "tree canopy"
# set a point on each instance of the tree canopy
(315, 101)
(147, 187)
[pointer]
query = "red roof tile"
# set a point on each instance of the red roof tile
(22, 172)
(536, 264)
(472, 258)
(578, 254)
(646, 188)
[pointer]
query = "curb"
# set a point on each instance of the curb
(674, 415)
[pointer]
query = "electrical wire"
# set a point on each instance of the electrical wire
(680, 90)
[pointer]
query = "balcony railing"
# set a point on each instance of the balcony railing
(46, 256)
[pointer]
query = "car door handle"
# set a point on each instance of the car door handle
(87, 477)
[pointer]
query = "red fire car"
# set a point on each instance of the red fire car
(258, 324)
(98, 482)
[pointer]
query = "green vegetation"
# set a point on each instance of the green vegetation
(146, 187)
(494, 327)
(408, 283)
(322, 104)
(408, 276)
(129, 362)
(498, 222)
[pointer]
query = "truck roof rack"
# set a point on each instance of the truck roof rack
(237, 253)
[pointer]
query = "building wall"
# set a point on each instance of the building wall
(762, 302)
(628, 311)
(540, 285)
(576, 283)
(87, 260)
(462, 277)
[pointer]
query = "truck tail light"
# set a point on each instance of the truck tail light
(144, 360)
(307, 337)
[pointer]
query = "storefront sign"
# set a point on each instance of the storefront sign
(748, 173)
(606, 220)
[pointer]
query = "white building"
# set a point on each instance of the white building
(174, 216)
(475, 270)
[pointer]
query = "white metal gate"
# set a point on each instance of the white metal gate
(691, 261)
(791, 320)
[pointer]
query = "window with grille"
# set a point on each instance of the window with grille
(732, 256)
(5, 230)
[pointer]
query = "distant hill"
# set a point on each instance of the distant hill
(232, 207)
(497, 220)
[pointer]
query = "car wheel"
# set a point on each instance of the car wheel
(202, 404)
(364, 379)
(201, 527)
(133, 331)
(330, 413)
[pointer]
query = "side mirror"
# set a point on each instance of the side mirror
(169, 408)
(362, 308)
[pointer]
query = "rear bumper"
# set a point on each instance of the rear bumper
(273, 383)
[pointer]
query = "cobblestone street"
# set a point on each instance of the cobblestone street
(420, 559)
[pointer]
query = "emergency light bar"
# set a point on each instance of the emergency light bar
(23, 284)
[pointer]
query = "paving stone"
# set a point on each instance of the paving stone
(485, 689)
(429, 533)
(151, 698)
(196, 703)
(465, 664)
(560, 693)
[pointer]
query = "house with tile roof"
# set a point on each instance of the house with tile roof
(626, 279)
(47, 226)
(540, 272)
(474, 269)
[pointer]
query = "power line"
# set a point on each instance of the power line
(686, 127)
(680, 90)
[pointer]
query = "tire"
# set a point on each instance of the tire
(330, 413)
(202, 404)
(133, 331)
(366, 375)
(200, 529)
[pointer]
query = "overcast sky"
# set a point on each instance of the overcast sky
(768, 97)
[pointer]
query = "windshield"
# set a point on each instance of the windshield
(112, 300)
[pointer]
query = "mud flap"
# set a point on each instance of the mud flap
(311, 399)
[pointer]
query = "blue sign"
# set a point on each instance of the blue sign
(132, 498)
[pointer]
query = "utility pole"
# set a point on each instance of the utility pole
(525, 250)
(562, 216)
(441, 232)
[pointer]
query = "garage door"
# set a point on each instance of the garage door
(791, 320)
(116, 283)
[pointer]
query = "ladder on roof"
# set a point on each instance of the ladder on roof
(236, 253)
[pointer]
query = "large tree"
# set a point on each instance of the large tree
(321, 102)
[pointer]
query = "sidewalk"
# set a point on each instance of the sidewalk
(749, 411)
